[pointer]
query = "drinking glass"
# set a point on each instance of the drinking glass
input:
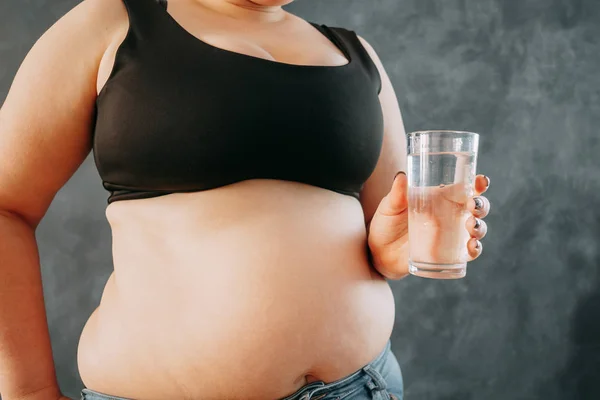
(441, 173)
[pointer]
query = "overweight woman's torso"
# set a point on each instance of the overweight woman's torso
(248, 291)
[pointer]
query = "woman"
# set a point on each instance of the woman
(249, 157)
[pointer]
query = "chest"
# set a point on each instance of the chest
(181, 116)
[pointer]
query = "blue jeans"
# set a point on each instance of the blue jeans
(381, 379)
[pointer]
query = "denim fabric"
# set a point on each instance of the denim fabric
(381, 379)
(378, 380)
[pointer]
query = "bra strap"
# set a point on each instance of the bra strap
(145, 17)
(352, 44)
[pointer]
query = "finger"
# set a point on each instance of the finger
(479, 206)
(474, 247)
(477, 227)
(456, 193)
(482, 183)
(397, 200)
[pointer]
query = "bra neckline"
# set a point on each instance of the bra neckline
(266, 61)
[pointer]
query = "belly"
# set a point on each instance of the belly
(248, 291)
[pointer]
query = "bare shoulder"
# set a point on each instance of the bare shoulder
(46, 118)
(387, 95)
(94, 21)
(372, 53)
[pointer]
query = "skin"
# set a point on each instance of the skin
(257, 322)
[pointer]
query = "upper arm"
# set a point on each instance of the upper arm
(47, 117)
(393, 153)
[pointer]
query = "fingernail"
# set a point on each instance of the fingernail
(398, 173)
(477, 245)
(477, 223)
(487, 178)
(478, 203)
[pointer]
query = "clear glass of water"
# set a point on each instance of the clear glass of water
(441, 174)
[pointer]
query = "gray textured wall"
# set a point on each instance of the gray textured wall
(525, 323)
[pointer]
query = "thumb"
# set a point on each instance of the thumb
(396, 201)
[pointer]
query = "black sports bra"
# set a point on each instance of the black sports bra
(180, 115)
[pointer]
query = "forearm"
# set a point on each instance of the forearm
(26, 364)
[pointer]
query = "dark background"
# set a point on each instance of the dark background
(525, 323)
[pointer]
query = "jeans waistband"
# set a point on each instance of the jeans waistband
(318, 389)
